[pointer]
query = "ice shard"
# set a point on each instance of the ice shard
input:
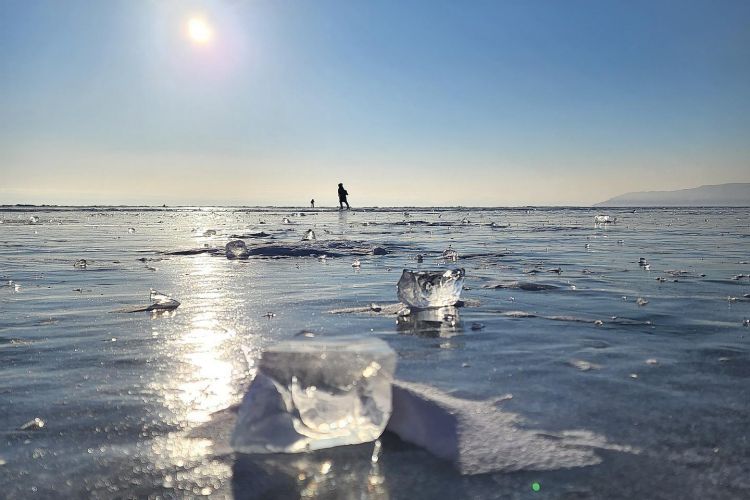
(317, 393)
(424, 289)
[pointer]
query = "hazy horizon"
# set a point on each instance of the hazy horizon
(261, 103)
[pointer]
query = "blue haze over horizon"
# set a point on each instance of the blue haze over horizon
(406, 103)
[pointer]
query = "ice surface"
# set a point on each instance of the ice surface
(236, 249)
(317, 393)
(423, 289)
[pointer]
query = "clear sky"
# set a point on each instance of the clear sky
(406, 102)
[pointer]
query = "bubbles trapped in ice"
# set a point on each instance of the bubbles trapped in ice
(309, 235)
(605, 219)
(80, 264)
(131, 230)
(316, 393)
(236, 249)
(450, 254)
(424, 289)
(162, 301)
(356, 264)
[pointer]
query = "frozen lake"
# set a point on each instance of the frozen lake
(562, 327)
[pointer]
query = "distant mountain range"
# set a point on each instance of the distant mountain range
(720, 195)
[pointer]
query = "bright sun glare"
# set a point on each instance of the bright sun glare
(199, 30)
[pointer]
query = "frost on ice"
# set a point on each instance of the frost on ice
(316, 393)
(423, 289)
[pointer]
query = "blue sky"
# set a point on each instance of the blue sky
(406, 102)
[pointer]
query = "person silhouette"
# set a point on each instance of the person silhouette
(342, 197)
(312, 203)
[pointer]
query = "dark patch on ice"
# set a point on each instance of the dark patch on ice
(306, 249)
(523, 285)
(149, 307)
(478, 255)
(196, 251)
(261, 234)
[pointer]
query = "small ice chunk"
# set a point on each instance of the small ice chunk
(33, 219)
(423, 289)
(356, 264)
(162, 301)
(209, 232)
(80, 264)
(641, 301)
(605, 219)
(309, 235)
(286, 220)
(236, 249)
(317, 393)
(131, 230)
(450, 254)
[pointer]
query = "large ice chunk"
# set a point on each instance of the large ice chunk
(310, 394)
(236, 249)
(423, 289)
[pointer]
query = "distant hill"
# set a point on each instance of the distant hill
(720, 195)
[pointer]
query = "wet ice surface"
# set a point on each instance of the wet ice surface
(144, 404)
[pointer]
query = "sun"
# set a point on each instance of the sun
(199, 31)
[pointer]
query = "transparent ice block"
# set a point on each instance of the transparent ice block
(423, 289)
(310, 394)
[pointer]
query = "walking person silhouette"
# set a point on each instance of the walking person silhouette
(342, 197)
